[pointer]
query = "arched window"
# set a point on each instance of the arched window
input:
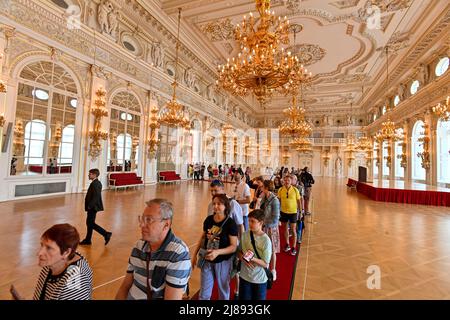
(441, 67)
(399, 171)
(384, 162)
(443, 151)
(383, 111)
(124, 130)
(46, 104)
(396, 100)
(418, 173)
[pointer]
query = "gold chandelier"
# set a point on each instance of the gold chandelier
(174, 116)
(351, 148)
(365, 145)
(295, 124)
(261, 66)
(388, 132)
(301, 144)
(443, 110)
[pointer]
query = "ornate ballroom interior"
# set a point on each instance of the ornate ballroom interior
(147, 86)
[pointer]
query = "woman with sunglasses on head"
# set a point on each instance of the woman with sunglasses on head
(215, 250)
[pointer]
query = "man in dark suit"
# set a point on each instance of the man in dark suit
(92, 204)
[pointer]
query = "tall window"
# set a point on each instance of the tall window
(124, 145)
(418, 172)
(399, 171)
(45, 120)
(383, 111)
(124, 132)
(65, 153)
(166, 151)
(35, 131)
(443, 151)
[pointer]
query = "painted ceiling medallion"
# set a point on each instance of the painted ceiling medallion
(307, 53)
(219, 30)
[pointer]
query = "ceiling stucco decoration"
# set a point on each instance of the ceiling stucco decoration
(351, 78)
(397, 42)
(307, 53)
(227, 46)
(219, 30)
(391, 5)
(345, 4)
(361, 68)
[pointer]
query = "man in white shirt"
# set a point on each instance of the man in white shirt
(242, 196)
(217, 187)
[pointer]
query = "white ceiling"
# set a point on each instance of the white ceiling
(338, 46)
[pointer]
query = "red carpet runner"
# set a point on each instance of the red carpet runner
(283, 286)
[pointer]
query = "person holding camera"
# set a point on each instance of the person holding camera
(215, 250)
(255, 252)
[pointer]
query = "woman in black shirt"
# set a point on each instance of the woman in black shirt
(215, 249)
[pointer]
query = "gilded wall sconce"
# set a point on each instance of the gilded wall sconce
(97, 134)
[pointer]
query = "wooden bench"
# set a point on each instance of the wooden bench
(124, 180)
(168, 176)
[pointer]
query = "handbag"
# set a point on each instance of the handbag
(269, 273)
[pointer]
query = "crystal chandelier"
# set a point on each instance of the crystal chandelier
(442, 110)
(174, 116)
(261, 66)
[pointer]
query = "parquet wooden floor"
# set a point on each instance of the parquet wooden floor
(346, 234)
